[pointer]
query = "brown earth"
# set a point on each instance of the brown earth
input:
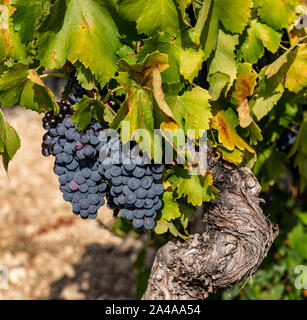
(50, 253)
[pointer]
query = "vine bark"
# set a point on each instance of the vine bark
(237, 238)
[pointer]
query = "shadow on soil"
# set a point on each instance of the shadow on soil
(103, 272)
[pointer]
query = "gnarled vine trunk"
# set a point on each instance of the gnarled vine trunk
(237, 239)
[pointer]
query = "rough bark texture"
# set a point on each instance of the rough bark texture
(237, 239)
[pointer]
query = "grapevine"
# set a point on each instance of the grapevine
(173, 112)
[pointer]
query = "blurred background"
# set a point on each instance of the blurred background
(51, 254)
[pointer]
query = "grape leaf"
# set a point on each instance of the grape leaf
(234, 156)
(169, 212)
(80, 30)
(258, 37)
(183, 4)
(234, 16)
(277, 13)
(141, 73)
(245, 83)
(223, 61)
(11, 46)
(218, 82)
(168, 120)
(170, 209)
(184, 61)
(9, 141)
(167, 45)
(137, 111)
(128, 54)
(190, 62)
(165, 226)
(158, 15)
(18, 85)
(208, 37)
(269, 91)
(265, 171)
(296, 78)
(87, 109)
(84, 76)
(225, 122)
(27, 16)
(151, 15)
(131, 9)
(196, 188)
(192, 109)
(245, 118)
(187, 212)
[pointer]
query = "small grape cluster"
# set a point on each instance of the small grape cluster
(77, 164)
(135, 187)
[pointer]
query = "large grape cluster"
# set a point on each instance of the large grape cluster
(93, 164)
(134, 179)
(77, 164)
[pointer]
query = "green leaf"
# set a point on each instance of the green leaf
(158, 15)
(218, 82)
(84, 76)
(137, 111)
(234, 16)
(131, 9)
(196, 188)
(128, 54)
(190, 62)
(277, 13)
(151, 16)
(170, 209)
(223, 61)
(11, 83)
(10, 43)
(296, 78)
(183, 4)
(209, 35)
(234, 156)
(298, 240)
(187, 212)
(87, 109)
(258, 37)
(167, 45)
(18, 85)
(265, 171)
(192, 109)
(9, 141)
(27, 16)
(268, 93)
(141, 73)
(80, 30)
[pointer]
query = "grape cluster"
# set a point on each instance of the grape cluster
(135, 187)
(77, 164)
(94, 164)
